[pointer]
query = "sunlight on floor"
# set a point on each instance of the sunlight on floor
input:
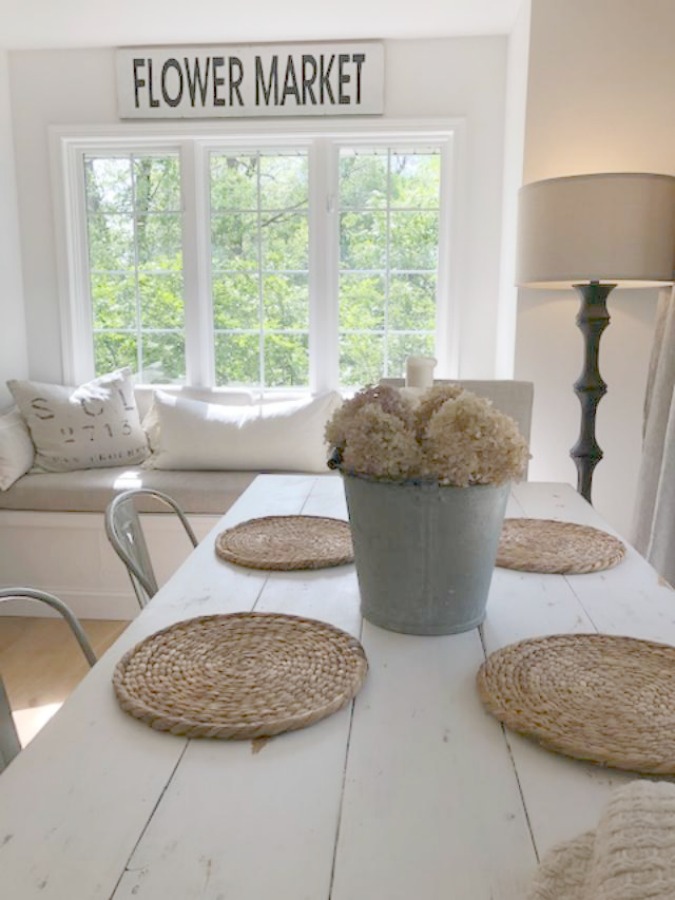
(29, 721)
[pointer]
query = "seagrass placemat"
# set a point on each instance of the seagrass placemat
(286, 543)
(243, 675)
(609, 700)
(556, 548)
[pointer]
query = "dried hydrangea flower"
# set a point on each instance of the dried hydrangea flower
(469, 442)
(381, 396)
(380, 445)
(430, 402)
(451, 437)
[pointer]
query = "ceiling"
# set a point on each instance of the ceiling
(93, 23)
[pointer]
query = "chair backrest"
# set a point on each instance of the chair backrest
(125, 533)
(514, 398)
(9, 739)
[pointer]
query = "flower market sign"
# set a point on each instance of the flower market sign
(251, 80)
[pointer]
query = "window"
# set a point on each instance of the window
(260, 268)
(389, 226)
(300, 261)
(135, 265)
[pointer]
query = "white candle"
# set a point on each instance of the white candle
(419, 371)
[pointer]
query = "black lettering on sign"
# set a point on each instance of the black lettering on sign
(138, 81)
(359, 59)
(343, 78)
(236, 78)
(290, 83)
(153, 102)
(308, 61)
(324, 79)
(177, 97)
(195, 81)
(218, 62)
(272, 84)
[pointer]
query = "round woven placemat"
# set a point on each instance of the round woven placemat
(286, 543)
(609, 700)
(556, 548)
(245, 675)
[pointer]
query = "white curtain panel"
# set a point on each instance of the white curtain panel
(654, 520)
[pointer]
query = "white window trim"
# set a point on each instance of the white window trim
(68, 144)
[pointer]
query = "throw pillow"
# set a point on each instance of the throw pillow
(220, 396)
(283, 436)
(16, 449)
(92, 426)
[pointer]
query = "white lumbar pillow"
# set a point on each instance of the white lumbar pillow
(219, 396)
(92, 426)
(16, 448)
(284, 436)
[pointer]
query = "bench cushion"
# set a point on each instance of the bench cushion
(90, 490)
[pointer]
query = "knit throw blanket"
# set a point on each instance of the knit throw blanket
(629, 856)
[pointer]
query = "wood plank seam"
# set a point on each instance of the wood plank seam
(513, 764)
(336, 843)
(150, 819)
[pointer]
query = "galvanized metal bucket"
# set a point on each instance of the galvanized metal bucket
(424, 553)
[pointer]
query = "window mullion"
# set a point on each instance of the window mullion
(448, 264)
(196, 244)
(261, 307)
(323, 266)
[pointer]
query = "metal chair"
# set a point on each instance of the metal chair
(9, 739)
(125, 533)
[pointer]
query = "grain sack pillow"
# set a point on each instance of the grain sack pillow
(283, 436)
(16, 449)
(93, 426)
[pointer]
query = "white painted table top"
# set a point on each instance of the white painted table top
(411, 793)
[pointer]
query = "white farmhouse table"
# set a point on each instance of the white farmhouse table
(412, 791)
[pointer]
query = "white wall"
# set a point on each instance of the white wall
(460, 77)
(601, 97)
(514, 151)
(13, 355)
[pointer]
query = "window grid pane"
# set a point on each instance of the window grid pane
(389, 233)
(260, 267)
(135, 264)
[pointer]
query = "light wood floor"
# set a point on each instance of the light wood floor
(41, 663)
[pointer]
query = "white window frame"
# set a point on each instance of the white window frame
(68, 146)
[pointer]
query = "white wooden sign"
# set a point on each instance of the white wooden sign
(343, 79)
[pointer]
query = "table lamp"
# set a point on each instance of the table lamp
(595, 233)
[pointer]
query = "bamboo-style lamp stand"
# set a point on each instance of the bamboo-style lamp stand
(589, 387)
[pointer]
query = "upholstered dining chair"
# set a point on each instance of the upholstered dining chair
(9, 739)
(125, 533)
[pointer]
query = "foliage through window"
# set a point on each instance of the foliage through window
(315, 261)
(135, 263)
(389, 223)
(260, 268)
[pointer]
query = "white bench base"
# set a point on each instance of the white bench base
(68, 554)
